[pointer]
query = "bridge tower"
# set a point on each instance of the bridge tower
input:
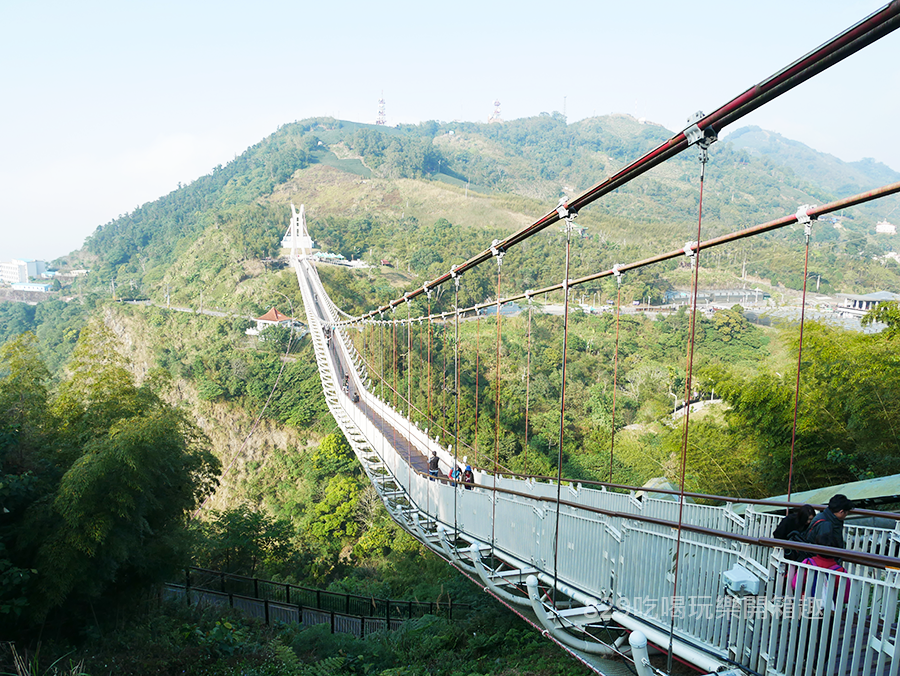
(297, 237)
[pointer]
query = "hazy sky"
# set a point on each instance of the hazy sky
(107, 105)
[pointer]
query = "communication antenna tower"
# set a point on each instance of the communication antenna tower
(495, 116)
(382, 118)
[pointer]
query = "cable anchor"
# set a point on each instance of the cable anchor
(704, 138)
(616, 270)
(565, 213)
(497, 251)
(690, 250)
(804, 218)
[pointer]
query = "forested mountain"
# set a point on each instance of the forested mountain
(379, 185)
(827, 171)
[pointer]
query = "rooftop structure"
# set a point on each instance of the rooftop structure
(862, 304)
(38, 287)
(272, 318)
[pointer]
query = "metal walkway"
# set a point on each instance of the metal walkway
(598, 565)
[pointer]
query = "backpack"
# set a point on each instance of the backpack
(822, 594)
(795, 554)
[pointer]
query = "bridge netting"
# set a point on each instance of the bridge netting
(596, 564)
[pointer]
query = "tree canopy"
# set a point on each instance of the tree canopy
(97, 481)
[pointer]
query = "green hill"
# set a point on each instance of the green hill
(827, 171)
(379, 186)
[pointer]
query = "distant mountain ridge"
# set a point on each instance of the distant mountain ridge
(385, 191)
(826, 171)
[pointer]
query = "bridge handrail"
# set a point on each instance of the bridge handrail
(702, 496)
(872, 560)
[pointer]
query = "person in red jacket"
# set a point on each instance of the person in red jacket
(821, 561)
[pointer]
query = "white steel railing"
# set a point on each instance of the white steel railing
(612, 558)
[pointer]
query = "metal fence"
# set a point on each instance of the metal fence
(273, 611)
(312, 599)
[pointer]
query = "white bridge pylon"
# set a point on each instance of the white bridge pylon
(599, 567)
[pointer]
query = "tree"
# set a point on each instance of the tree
(240, 540)
(849, 402)
(885, 313)
(101, 480)
(23, 401)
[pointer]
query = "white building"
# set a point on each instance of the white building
(40, 287)
(19, 271)
(885, 228)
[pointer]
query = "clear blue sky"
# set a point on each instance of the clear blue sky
(108, 105)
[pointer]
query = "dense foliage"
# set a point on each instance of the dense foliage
(97, 480)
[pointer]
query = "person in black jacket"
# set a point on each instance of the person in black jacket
(828, 526)
(793, 528)
(797, 520)
(433, 464)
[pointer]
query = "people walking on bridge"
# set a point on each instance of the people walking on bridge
(433, 464)
(828, 527)
(468, 477)
(793, 528)
(821, 561)
(455, 474)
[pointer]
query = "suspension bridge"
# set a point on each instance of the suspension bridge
(607, 571)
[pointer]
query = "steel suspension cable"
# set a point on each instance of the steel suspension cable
(496, 400)
(408, 374)
(803, 217)
(443, 382)
(692, 249)
(612, 435)
(527, 384)
(394, 335)
(562, 396)
(456, 378)
(477, 371)
(430, 418)
(382, 360)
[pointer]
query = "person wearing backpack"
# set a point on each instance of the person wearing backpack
(434, 465)
(793, 527)
(820, 561)
(828, 527)
(455, 474)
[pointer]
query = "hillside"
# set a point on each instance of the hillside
(370, 192)
(827, 171)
